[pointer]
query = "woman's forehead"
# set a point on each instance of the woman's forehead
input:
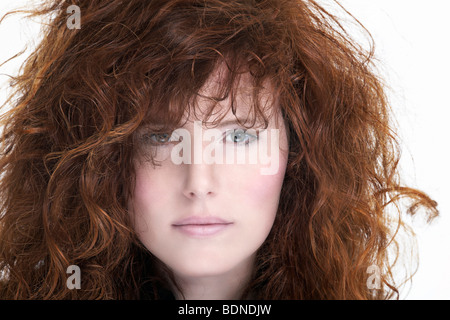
(242, 99)
(217, 102)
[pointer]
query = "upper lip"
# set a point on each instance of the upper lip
(197, 220)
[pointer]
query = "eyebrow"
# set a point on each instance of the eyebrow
(225, 123)
(241, 122)
(230, 122)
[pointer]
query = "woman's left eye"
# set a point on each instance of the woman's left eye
(240, 136)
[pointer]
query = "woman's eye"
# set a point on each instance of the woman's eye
(240, 136)
(158, 138)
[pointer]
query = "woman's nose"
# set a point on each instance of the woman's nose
(199, 181)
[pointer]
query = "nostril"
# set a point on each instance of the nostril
(193, 194)
(199, 182)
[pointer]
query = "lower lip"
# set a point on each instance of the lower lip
(202, 230)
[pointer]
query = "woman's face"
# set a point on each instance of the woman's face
(206, 218)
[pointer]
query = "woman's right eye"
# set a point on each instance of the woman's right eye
(157, 138)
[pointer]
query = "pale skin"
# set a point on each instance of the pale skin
(211, 265)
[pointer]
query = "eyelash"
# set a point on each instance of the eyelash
(167, 138)
(157, 139)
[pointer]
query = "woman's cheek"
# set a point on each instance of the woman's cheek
(255, 186)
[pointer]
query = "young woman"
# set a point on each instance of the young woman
(199, 150)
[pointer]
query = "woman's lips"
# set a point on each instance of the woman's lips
(201, 226)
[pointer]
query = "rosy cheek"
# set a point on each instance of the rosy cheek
(148, 200)
(263, 187)
(148, 189)
(143, 185)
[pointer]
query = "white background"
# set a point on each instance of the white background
(412, 41)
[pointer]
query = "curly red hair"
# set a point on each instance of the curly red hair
(68, 143)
